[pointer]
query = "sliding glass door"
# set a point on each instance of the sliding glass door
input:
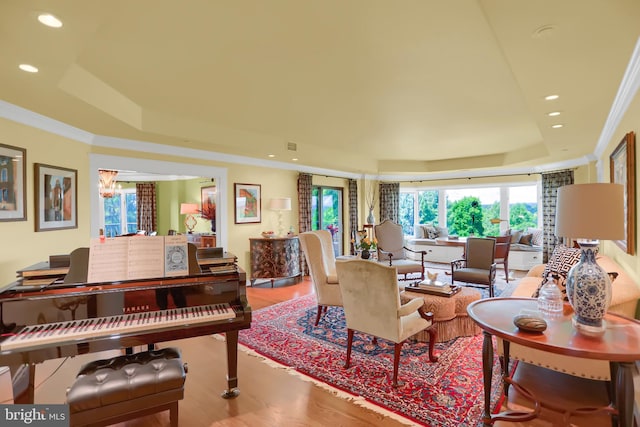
(326, 213)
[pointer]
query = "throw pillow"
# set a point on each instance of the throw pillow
(561, 261)
(442, 231)
(515, 236)
(432, 233)
(537, 236)
(526, 239)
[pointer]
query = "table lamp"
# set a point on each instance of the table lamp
(189, 209)
(280, 204)
(589, 212)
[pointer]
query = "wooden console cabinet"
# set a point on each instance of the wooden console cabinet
(274, 258)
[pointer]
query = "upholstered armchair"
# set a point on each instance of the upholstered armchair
(318, 251)
(478, 266)
(371, 302)
(393, 252)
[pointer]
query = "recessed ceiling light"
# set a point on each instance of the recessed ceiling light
(49, 20)
(557, 126)
(271, 155)
(553, 113)
(295, 159)
(551, 97)
(28, 68)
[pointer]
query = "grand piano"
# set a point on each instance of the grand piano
(44, 317)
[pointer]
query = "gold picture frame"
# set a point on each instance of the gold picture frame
(56, 193)
(13, 178)
(622, 171)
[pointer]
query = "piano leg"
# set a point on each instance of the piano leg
(232, 365)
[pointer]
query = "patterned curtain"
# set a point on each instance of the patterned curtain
(305, 181)
(353, 209)
(550, 184)
(390, 201)
(146, 201)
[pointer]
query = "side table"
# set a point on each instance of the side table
(274, 258)
(619, 346)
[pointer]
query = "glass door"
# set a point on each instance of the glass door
(326, 213)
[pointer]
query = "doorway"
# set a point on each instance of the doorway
(326, 213)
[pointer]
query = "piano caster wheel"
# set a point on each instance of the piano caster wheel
(230, 394)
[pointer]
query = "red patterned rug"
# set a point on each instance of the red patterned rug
(446, 393)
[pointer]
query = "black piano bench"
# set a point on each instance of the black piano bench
(113, 390)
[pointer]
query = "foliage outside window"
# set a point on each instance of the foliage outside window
(463, 216)
(121, 213)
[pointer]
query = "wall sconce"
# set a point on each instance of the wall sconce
(280, 204)
(189, 209)
(107, 183)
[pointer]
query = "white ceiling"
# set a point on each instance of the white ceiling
(363, 86)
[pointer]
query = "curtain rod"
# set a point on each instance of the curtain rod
(493, 176)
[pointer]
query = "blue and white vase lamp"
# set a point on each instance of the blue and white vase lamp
(589, 213)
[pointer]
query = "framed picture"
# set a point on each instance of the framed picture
(56, 192)
(622, 169)
(248, 203)
(13, 176)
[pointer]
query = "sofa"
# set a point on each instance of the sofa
(625, 296)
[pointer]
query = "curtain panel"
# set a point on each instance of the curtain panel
(353, 210)
(305, 181)
(389, 201)
(550, 184)
(146, 201)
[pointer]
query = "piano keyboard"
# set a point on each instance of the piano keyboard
(48, 333)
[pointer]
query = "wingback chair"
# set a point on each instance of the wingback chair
(371, 302)
(318, 251)
(391, 249)
(478, 265)
(503, 245)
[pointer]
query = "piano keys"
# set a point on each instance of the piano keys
(66, 319)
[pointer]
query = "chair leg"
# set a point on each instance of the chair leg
(433, 334)
(374, 341)
(319, 314)
(173, 414)
(506, 271)
(397, 349)
(349, 342)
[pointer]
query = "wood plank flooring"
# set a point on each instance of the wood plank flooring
(269, 397)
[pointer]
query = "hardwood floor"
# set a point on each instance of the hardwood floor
(268, 396)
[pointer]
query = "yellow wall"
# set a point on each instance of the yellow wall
(20, 244)
(630, 122)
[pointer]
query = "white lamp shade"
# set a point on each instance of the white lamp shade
(590, 211)
(280, 204)
(188, 208)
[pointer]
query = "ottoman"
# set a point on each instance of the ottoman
(449, 313)
(113, 390)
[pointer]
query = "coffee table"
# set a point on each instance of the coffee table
(619, 346)
(449, 313)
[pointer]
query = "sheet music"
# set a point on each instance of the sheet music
(176, 256)
(145, 257)
(107, 260)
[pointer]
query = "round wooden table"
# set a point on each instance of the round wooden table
(620, 346)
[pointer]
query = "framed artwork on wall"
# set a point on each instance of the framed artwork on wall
(208, 205)
(623, 171)
(248, 203)
(13, 176)
(56, 192)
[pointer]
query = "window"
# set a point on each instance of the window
(326, 213)
(120, 213)
(481, 211)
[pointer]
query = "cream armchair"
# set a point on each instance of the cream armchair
(371, 302)
(392, 251)
(318, 251)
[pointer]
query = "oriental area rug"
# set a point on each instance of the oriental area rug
(446, 393)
